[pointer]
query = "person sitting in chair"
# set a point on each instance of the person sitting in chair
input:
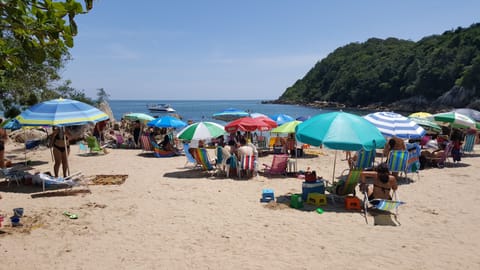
(383, 183)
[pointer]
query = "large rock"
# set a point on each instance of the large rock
(456, 97)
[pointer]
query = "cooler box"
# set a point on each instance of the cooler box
(312, 187)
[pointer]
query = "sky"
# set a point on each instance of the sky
(225, 49)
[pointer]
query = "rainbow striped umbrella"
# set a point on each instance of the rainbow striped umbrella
(61, 112)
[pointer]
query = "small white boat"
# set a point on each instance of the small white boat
(160, 108)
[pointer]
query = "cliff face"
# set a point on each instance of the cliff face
(435, 73)
(457, 97)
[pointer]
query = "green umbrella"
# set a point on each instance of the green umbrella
(288, 127)
(456, 120)
(427, 124)
(138, 116)
(201, 131)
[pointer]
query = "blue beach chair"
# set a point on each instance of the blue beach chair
(397, 161)
(365, 159)
(469, 143)
(413, 161)
(188, 155)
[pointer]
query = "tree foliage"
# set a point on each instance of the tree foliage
(383, 71)
(35, 36)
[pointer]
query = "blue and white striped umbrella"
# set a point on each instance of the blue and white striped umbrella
(393, 124)
(61, 112)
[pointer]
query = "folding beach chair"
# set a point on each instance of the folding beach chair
(83, 148)
(93, 145)
(158, 151)
(440, 161)
(202, 158)
(469, 143)
(397, 161)
(279, 165)
(231, 164)
(365, 159)
(188, 155)
(382, 207)
(346, 187)
(11, 174)
(247, 165)
(413, 161)
(145, 143)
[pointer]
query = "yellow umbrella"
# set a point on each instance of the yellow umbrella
(420, 114)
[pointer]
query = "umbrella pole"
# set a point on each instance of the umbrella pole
(25, 135)
(66, 151)
(334, 164)
(296, 157)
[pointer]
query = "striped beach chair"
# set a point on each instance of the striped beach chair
(469, 143)
(365, 159)
(201, 156)
(345, 187)
(413, 161)
(384, 207)
(397, 161)
(247, 164)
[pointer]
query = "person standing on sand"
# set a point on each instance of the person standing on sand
(59, 140)
(3, 140)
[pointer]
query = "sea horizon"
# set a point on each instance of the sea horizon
(203, 110)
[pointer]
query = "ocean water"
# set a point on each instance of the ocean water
(203, 110)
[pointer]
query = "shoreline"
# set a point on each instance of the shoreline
(168, 216)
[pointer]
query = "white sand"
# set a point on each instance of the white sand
(168, 217)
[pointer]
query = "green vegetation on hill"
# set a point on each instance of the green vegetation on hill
(384, 71)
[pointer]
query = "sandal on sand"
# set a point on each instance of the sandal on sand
(70, 215)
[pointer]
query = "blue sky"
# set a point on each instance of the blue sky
(222, 49)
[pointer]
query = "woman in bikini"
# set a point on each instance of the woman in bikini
(383, 183)
(61, 148)
(3, 139)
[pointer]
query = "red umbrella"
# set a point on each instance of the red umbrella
(247, 124)
(270, 122)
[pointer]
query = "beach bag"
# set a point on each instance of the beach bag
(310, 176)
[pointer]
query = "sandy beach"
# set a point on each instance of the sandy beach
(166, 216)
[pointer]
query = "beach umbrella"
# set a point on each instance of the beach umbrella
(288, 127)
(454, 119)
(474, 114)
(271, 124)
(255, 115)
(340, 131)
(393, 124)
(61, 112)
(167, 122)
(247, 124)
(201, 131)
(12, 124)
(142, 117)
(281, 118)
(230, 114)
(427, 124)
(303, 118)
(420, 114)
